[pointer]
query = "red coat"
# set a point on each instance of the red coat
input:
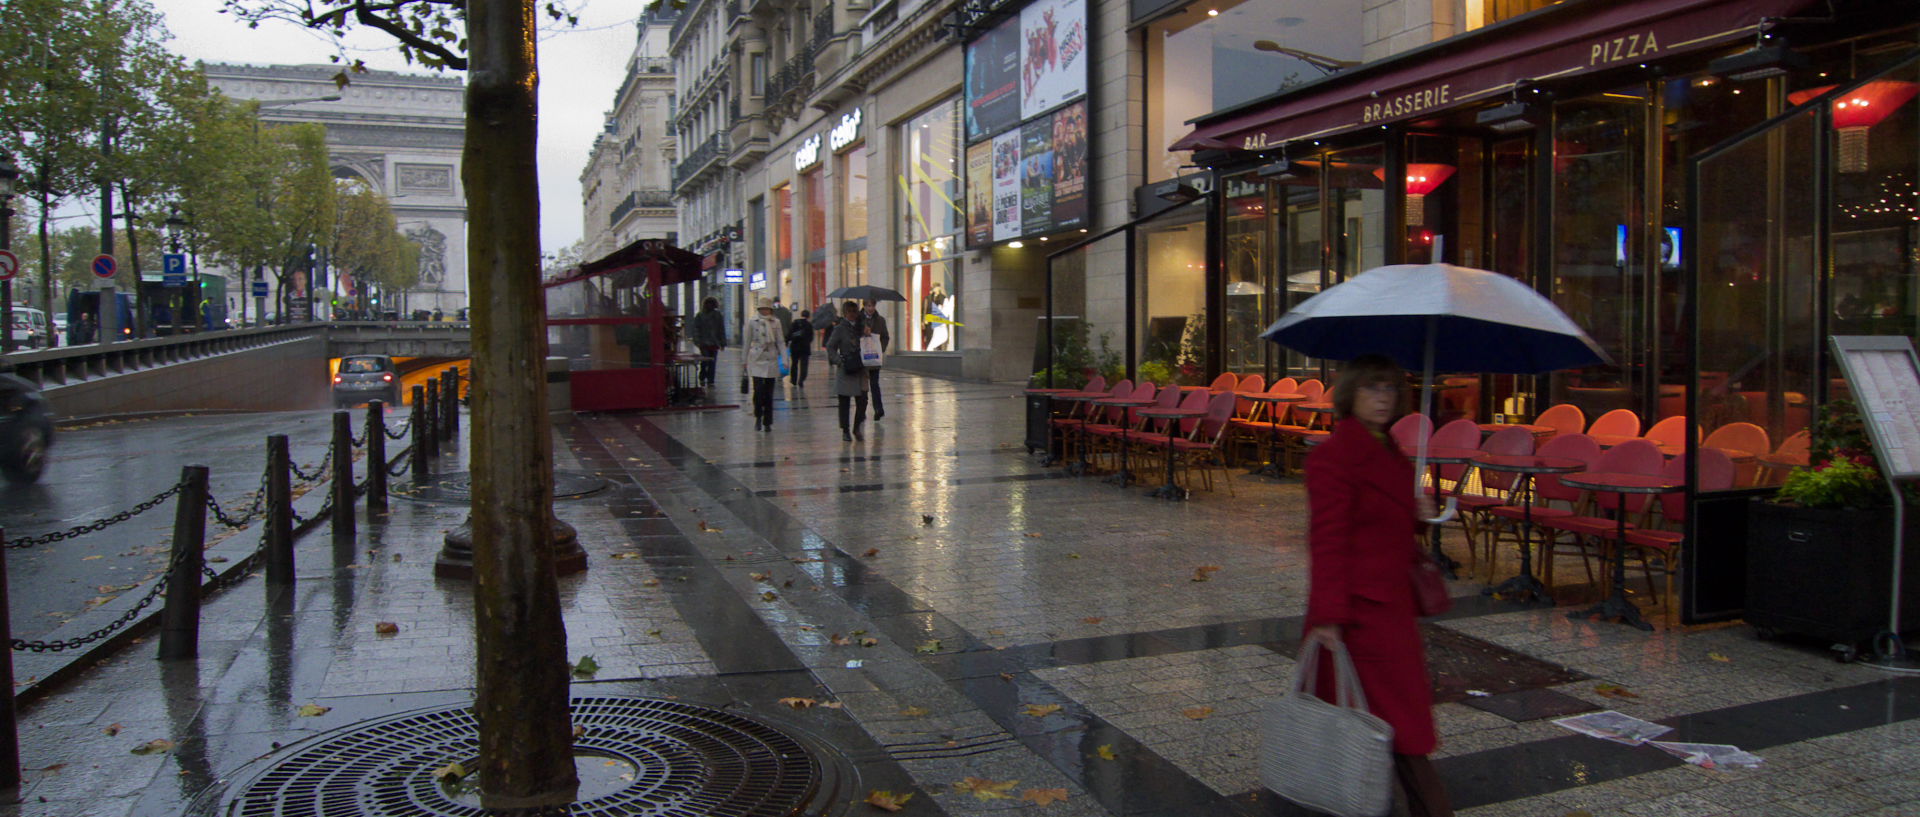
(1363, 542)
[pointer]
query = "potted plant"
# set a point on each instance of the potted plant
(1820, 551)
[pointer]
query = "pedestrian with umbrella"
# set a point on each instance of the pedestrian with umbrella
(1364, 500)
(868, 295)
(849, 375)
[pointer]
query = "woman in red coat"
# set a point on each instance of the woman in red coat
(1363, 526)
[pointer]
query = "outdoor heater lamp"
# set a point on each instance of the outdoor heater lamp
(1857, 111)
(1422, 178)
(1758, 62)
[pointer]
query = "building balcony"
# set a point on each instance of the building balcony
(638, 199)
(700, 160)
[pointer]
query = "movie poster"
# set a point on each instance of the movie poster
(1006, 186)
(993, 81)
(1070, 167)
(980, 194)
(1036, 176)
(1053, 55)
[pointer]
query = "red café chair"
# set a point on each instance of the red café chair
(1457, 434)
(1227, 381)
(1565, 418)
(1496, 489)
(1244, 410)
(1068, 425)
(1616, 423)
(1202, 448)
(1716, 473)
(1102, 417)
(1409, 430)
(1794, 452)
(1303, 428)
(1745, 437)
(1107, 435)
(1168, 397)
(1630, 457)
(1256, 432)
(1546, 489)
(1670, 434)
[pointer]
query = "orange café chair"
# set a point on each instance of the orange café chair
(1735, 439)
(1565, 418)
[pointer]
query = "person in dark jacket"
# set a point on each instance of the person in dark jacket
(878, 326)
(710, 334)
(843, 347)
(1363, 517)
(800, 349)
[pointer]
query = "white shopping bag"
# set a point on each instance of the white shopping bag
(870, 355)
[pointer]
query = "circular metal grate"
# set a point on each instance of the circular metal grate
(684, 760)
(457, 486)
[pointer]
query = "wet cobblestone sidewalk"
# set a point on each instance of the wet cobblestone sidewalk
(976, 616)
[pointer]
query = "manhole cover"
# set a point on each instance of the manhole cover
(674, 760)
(457, 486)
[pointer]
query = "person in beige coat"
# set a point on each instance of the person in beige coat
(764, 341)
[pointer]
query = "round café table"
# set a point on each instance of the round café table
(1527, 466)
(1126, 405)
(1051, 459)
(1083, 466)
(1271, 401)
(1438, 455)
(1616, 605)
(1173, 415)
(1611, 440)
(1540, 433)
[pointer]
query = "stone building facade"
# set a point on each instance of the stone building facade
(624, 187)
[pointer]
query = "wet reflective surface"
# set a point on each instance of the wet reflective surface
(972, 615)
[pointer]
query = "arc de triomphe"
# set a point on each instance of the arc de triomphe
(402, 133)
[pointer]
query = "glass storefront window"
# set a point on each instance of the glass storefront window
(1171, 258)
(933, 219)
(783, 243)
(1198, 63)
(853, 193)
(1088, 319)
(1249, 288)
(815, 189)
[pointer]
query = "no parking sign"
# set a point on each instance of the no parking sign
(104, 266)
(9, 265)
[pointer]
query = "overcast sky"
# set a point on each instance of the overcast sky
(579, 71)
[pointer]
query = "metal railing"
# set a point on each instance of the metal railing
(699, 159)
(639, 198)
(65, 365)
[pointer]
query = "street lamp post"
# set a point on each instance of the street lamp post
(9, 174)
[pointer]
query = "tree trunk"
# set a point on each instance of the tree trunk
(46, 256)
(526, 734)
(141, 316)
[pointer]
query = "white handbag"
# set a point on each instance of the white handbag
(870, 355)
(1331, 757)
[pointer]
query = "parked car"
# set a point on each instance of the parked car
(361, 378)
(29, 328)
(26, 430)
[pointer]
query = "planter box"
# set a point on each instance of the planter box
(1828, 573)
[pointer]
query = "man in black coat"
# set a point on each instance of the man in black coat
(800, 348)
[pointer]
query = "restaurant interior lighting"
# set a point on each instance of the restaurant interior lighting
(1422, 178)
(1508, 118)
(1856, 112)
(1758, 62)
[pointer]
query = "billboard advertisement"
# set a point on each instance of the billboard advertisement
(979, 195)
(1053, 55)
(993, 81)
(1070, 167)
(1006, 186)
(1036, 176)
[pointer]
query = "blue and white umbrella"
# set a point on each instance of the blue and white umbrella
(1437, 317)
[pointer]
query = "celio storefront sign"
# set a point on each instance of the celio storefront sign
(838, 138)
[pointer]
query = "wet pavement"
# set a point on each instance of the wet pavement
(975, 616)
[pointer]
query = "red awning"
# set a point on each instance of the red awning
(1565, 42)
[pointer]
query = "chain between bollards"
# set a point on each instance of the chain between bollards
(343, 524)
(9, 719)
(180, 618)
(422, 431)
(376, 458)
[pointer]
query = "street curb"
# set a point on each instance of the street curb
(47, 671)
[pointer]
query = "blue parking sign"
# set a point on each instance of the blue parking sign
(259, 289)
(173, 269)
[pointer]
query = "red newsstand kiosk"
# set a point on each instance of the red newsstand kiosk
(606, 319)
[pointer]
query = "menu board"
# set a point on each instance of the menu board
(1885, 378)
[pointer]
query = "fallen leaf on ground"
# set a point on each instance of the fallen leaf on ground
(1093, 619)
(808, 560)
(1205, 572)
(450, 773)
(579, 731)
(717, 530)
(654, 633)
(703, 524)
(869, 642)
(1032, 535)
(587, 667)
(1106, 752)
(769, 596)
(871, 552)
(839, 640)
(91, 558)
(111, 730)
(928, 647)
(799, 703)
(312, 710)
(1041, 710)
(833, 705)
(996, 632)
(386, 628)
(913, 712)
(1041, 797)
(760, 577)
(1198, 713)
(1007, 677)
(154, 747)
(926, 519)
(626, 554)
(1615, 691)
(650, 583)
(1718, 657)
(96, 602)
(886, 800)
(1073, 555)
(50, 769)
(984, 789)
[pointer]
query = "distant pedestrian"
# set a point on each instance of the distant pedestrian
(763, 343)
(877, 326)
(785, 315)
(849, 377)
(800, 349)
(1363, 517)
(710, 335)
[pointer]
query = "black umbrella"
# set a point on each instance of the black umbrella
(867, 292)
(823, 315)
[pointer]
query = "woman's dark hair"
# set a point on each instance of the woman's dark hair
(1364, 370)
(710, 303)
(850, 306)
(804, 313)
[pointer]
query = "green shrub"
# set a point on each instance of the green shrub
(1157, 372)
(1840, 483)
(1063, 378)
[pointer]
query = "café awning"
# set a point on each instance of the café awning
(1562, 42)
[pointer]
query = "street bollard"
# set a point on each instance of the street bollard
(9, 719)
(279, 544)
(453, 405)
(342, 477)
(431, 434)
(376, 458)
(417, 428)
(180, 618)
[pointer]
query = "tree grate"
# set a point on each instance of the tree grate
(686, 761)
(457, 487)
